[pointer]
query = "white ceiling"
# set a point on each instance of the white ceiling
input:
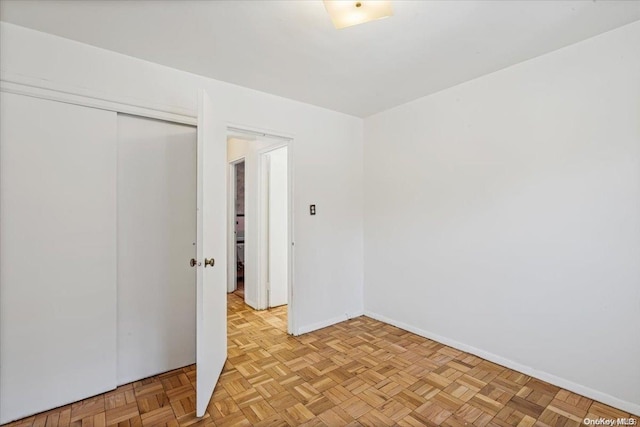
(291, 49)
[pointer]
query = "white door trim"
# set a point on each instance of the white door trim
(242, 129)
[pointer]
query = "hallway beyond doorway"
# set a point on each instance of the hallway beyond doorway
(260, 218)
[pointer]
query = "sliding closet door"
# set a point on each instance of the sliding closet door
(156, 240)
(57, 254)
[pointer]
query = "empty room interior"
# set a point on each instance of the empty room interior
(320, 213)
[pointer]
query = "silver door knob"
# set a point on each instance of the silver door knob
(209, 262)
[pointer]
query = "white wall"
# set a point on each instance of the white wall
(503, 216)
(327, 163)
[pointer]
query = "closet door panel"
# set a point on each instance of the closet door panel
(156, 240)
(57, 254)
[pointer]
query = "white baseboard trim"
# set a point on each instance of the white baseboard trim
(631, 407)
(325, 323)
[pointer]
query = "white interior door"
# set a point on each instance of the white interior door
(156, 239)
(58, 246)
(211, 305)
(278, 206)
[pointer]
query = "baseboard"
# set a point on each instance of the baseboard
(607, 399)
(326, 323)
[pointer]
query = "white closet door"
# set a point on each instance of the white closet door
(156, 240)
(57, 254)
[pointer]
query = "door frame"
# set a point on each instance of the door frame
(232, 249)
(280, 140)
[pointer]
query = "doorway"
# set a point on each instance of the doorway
(260, 240)
(236, 255)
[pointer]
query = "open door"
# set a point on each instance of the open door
(211, 305)
(278, 227)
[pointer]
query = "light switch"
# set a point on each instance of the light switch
(312, 209)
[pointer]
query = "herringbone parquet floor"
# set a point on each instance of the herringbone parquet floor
(359, 372)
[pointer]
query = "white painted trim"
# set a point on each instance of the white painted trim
(634, 408)
(272, 147)
(326, 323)
(44, 89)
(256, 131)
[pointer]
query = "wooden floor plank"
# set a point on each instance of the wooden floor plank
(359, 372)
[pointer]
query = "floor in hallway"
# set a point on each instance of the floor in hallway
(358, 372)
(240, 287)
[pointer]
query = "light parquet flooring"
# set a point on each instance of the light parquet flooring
(358, 372)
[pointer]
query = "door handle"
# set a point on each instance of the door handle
(193, 262)
(209, 262)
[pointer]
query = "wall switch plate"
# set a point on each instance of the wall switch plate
(312, 209)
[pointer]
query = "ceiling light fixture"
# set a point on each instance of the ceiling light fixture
(345, 13)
